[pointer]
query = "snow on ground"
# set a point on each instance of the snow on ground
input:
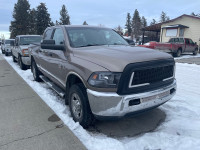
(180, 130)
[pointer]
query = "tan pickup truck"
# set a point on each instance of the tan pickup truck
(99, 74)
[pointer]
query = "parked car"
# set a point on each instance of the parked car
(20, 50)
(149, 45)
(6, 46)
(177, 46)
(99, 74)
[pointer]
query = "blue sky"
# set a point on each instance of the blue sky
(109, 13)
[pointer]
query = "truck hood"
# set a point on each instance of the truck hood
(115, 58)
(24, 46)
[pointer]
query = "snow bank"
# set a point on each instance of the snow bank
(180, 130)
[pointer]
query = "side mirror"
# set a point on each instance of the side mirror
(195, 43)
(50, 44)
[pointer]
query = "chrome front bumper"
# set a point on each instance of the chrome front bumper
(113, 105)
(26, 61)
(8, 49)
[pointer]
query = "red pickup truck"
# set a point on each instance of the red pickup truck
(177, 46)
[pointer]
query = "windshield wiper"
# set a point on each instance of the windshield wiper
(90, 45)
(117, 44)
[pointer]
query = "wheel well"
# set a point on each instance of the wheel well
(180, 49)
(71, 80)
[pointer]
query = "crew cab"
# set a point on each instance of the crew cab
(99, 74)
(20, 50)
(177, 46)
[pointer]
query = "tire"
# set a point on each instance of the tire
(79, 105)
(178, 53)
(195, 51)
(21, 64)
(36, 72)
(13, 57)
(6, 53)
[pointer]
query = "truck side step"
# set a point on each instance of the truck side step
(53, 86)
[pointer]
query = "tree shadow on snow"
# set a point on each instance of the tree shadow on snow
(132, 126)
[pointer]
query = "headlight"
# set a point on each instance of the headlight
(104, 79)
(25, 52)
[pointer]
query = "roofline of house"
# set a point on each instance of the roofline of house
(184, 15)
(160, 24)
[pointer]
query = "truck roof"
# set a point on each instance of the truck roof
(26, 35)
(79, 26)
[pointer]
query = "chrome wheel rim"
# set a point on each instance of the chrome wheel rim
(76, 106)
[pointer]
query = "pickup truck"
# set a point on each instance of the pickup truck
(177, 46)
(99, 74)
(6, 46)
(20, 49)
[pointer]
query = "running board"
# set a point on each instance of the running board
(53, 86)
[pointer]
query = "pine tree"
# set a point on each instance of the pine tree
(136, 24)
(85, 23)
(143, 22)
(43, 18)
(128, 24)
(20, 24)
(153, 22)
(64, 17)
(119, 29)
(57, 23)
(164, 17)
(33, 21)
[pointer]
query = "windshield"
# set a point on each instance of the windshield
(83, 37)
(30, 40)
(8, 41)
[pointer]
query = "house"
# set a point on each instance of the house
(183, 26)
(186, 26)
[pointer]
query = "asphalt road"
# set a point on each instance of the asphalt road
(26, 122)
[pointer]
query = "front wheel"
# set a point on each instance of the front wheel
(195, 51)
(6, 53)
(79, 105)
(21, 64)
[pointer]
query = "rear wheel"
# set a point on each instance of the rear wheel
(13, 57)
(79, 105)
(36, 72)
(21, 64)
(178, 53)
(195, 51)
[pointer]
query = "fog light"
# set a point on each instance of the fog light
(172, 91)
(134, 102)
